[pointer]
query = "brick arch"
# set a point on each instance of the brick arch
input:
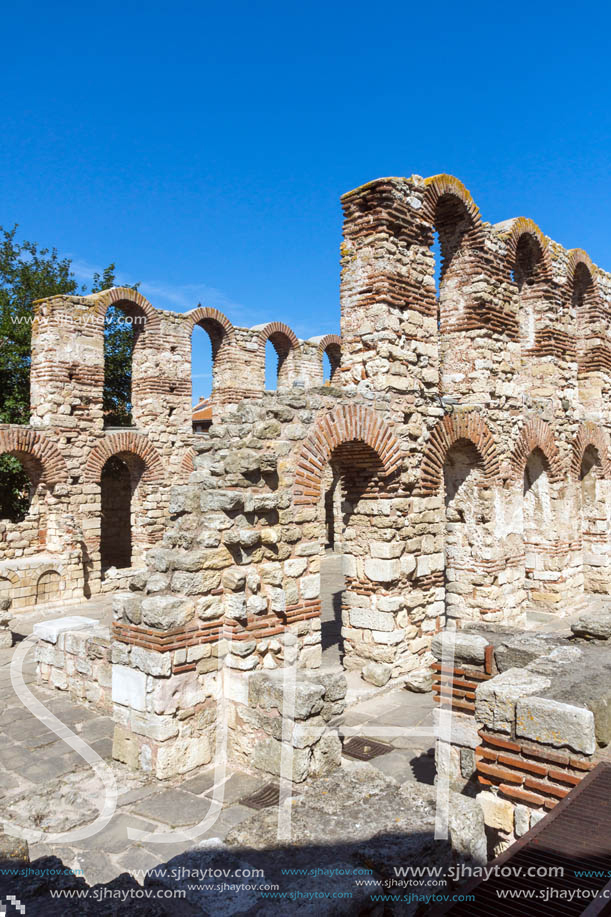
(333, 344)
(594, 306)
(272, 328)
(117, 295)
(438, 186)
(579, 256)
(130, 444)
(536, 434)
(444, 435)
(36, 453)
(523, 226)
(344, 424)
(187, 465)
(589, 434)
(206, 313)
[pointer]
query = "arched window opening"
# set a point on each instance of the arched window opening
(468, 534)
(332, 357)
(119, 480)
(348, 479)
(594, 525)
(6, 592)
(48, 588)
(528, 274)
(452, 225)
(124, 325)
(19, 481)
(205, 345)
(539, 527)
(277, 358)
(583, 302)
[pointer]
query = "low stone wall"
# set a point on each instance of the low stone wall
(537, 726)
(273, 714)
(73, 655)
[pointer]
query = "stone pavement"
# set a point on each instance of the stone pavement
(46, 785)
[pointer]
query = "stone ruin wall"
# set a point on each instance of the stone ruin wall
(467, 427)
(54, 553)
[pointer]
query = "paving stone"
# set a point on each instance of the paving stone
(200, 783)
(113, 838)
(173, 807)
(395, 764)
(238, 786)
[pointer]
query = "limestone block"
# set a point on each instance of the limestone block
(310, 586)
(521, 820)
(179, 692)
(420, 681)
(167, 611)
(463, 729)
(267, 757)
(373, 620)
(382, 571)
(128, 687)
(296, 566)
(386, 550)
(495, 700)
(182, 755)
(326, 756)
(596, 624)
(151, 662)
(376, 673)
(466, 827)
(466, 647)
(234, 579)
(498, 813)
(127, 608)
(50, 630)
(554, 723)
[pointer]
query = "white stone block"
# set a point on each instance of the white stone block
(50, 630)
(128, 687)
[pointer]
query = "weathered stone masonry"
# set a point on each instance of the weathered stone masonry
(465, 434)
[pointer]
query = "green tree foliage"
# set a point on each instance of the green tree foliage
(27, 273)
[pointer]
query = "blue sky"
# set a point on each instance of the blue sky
(204, 147)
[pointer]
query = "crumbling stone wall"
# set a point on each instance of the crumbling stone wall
(524, 725)
(465, 434)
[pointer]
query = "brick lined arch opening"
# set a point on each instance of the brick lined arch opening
(330, 350)
(130, 443)
(36, 453)
(352, 479)
(468, 511)
(345, 423)
(48, 587)
(131, 328)
(529, 263)
(280, 345)
(120, 477)
(539, 525)
(20, 477)
(28, 460)
(187, 465)
(536, 434)
(456, 224)
(452, 428)
(588, 309)
(218, 364)
(594, 520)
(590, 434)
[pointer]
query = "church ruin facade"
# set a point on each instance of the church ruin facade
(458, 460)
